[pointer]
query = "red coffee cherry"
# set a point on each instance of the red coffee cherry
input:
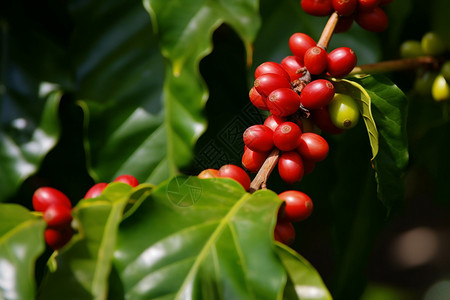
(312, 147)
(344, 24)
(252, 160)
(341, 61)
(236, 173)
(299, 43)
(271, 67)
(293, 66)
(319, 8)
(316, 60)
(321, 118)
(284, 232)
(57, 238)
(128, 179)
(43, 197)
(286, 135)
(273, 121)
(299, 206)
(96, 190)
(267, 83)
(258, 138)
(374, 20)
(366, 5)
(208, 173)
(283, 102)
(344, 7)
(290, 167)
(58, 216)
(257, 99)
(317, 93)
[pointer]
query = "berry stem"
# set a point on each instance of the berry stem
(327, 32)
(396, 65)
(262, 176)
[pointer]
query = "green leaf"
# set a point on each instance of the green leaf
(26, 137)
(357, 92)
(304, 282)
(201, 239)
(21, 243)
(389, 109)
(81, 269)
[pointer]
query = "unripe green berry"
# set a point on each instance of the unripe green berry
(410, 49)
(424, 82)
(344, 111)
(432, 44)
(445, 70)
(440, 89)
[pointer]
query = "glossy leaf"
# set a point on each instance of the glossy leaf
(26, 137)
(389, 109)
(81, 269)
(201, 239)
(303, 280)
(357, 92)
(21, 243)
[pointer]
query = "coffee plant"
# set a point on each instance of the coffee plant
(164, 149)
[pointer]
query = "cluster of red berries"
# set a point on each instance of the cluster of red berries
(368, 14)
(57, 210)
(297, 206)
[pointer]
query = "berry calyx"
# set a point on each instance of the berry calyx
(317, 93)
(43, 197)
(258, 138)
(283, 102)
(286, 135)
(316, 60)
(299, 206)
(236, 173)
(96, 190)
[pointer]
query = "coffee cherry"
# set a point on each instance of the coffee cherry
(257, 99)
(290, 167)
(341, 61)
(57, 238)
(258, 138)
(283, 102)
(410, 49)
(321, 118)
(273, 121)
(128, 179)
(367, 5)
(96, 190)
(271, 68)
(236, 173)
(58, 216)
(344, 111)
(445, 70)
(374, 20)
(344, 24)
(316, 60)
(286, 135)
(208, 173)
(319, 8)
(344, 7)
(252, 160)
(440, 89)
(312, 147)
(424, 82)
(299, 43)
(294, 66)
(299, 206)
(267, 83)
(432, 44)
(284, 232)
(317, 93)
(43, 197)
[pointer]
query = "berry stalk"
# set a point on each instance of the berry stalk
(396, 65)
(260, 180)
(328, 31)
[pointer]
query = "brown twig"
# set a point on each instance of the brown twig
(327, 32)
(262, 176)
(395, 65)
